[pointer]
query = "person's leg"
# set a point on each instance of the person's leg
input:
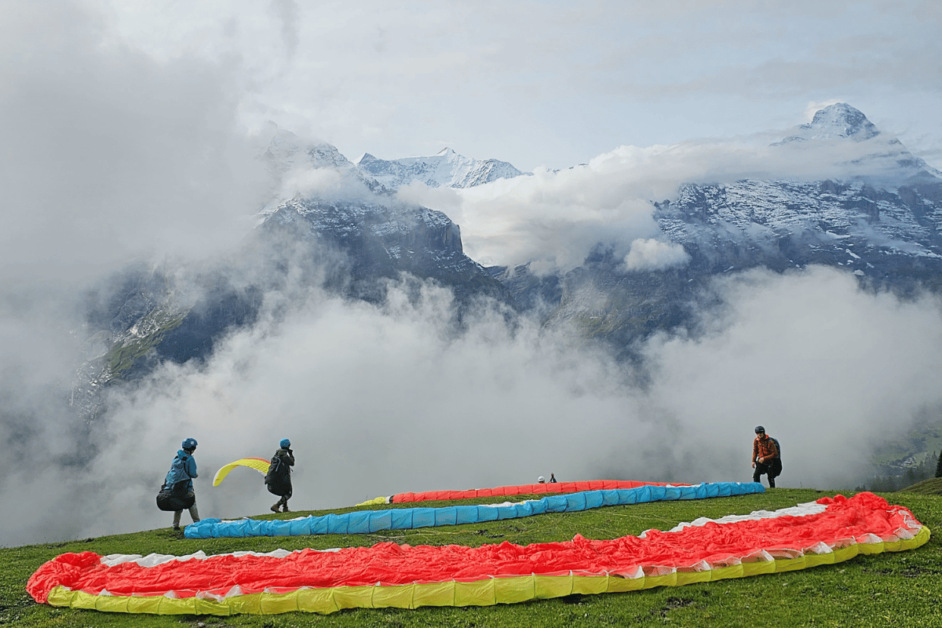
(762, 469)
(176, 519)
(194, 513)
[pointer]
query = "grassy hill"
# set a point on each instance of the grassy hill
(932, 486)
(902, 589)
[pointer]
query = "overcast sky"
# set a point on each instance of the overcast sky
(555, 83)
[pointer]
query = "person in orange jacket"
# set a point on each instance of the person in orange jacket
(764, 453)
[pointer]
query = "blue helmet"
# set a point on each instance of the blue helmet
(285, 443)
(189, 443)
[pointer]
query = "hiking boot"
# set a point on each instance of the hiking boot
(176, 528)
(285, 508)
(274, 508)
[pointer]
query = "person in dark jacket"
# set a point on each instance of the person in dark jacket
(180, 480)
(764, 455)
(278, 478)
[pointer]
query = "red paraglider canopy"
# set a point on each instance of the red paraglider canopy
(523, 489)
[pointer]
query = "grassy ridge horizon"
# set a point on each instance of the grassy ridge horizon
(892, 589)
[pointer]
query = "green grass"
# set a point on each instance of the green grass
(896, 589)
(932, 486)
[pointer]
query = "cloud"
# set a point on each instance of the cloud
(315, 182)
(374, 400)
(829, 369)
(570, 83)
(288, 13)
(654, 255)
(108, 155)
(554, 218)
(377, 398)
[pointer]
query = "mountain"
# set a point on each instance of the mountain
(446, 169)
(361, 222)
(287, 156)
(884, 157)
(377, 241)
(836, 121)
(881, 220)
(351, 238)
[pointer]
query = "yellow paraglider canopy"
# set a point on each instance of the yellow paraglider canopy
(259, 464)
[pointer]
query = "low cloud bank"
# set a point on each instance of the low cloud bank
(379, 400)
(650, 254)
(829, 369)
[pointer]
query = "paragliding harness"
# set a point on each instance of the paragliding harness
(278, 478)
(173, 497)
(775, 467)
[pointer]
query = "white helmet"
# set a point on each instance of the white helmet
(540, 479)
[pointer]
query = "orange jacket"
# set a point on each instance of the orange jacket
(763, 448)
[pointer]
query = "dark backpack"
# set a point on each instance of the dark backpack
(175, 497)
(776, 464)
(278, 479)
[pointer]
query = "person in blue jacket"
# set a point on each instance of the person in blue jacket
(180, 480)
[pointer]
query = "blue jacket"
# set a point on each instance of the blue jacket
(182, 468)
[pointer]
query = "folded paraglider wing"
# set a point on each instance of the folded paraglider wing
(523, 489)
(370, 521)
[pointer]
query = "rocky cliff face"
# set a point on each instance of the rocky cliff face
(382, 241)
(873, 232)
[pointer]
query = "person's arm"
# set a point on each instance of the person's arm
(289, 457)
(755, 452)
(191, 467)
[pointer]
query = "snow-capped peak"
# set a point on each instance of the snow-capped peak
(444, 169)
(286, 151)
(841, 120)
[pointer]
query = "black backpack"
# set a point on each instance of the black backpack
(776, 465)
(175, 497)
(278, 479)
